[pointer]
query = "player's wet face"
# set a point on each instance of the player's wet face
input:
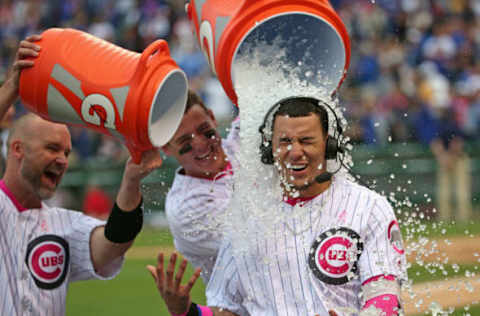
(197, 145)
(45, 160)
(299, 149)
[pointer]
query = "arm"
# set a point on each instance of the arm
(9, 89)
(382, 263)
(104, 251)
(177, 296)
(381, 293)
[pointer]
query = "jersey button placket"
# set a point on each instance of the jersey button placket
(26, 304)
(24, 275)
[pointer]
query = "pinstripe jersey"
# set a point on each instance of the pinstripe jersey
(42, 251)
(193, 208)
(302, 266)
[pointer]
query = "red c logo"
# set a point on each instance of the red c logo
(47, 259)
(334, 255)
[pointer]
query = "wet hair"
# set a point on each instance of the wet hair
(300, 107)
(194, 99)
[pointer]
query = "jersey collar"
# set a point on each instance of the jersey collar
(299, 200)
(226, 171)
(10, 195)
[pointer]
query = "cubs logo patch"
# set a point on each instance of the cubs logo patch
(47, 260)
(395, 237)
(334, 254)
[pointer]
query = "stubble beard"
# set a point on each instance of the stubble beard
(34, 179)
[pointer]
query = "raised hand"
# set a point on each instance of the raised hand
(129, 195)
(9, 90)
(176, 296)
(27, 48)
(151, 160)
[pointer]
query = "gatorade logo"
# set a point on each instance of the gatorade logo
(98, 110)
(68, 102)
(47, 260)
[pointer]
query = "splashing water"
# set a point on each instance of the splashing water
(261, 78)
(260, 83)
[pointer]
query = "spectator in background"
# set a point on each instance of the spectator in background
(453, 171)
(97, 202)
(395, 37)
(82, 143)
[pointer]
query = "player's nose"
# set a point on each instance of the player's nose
(295, 151)
(199, 143)
(61, 160)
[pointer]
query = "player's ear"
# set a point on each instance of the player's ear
(17, 148)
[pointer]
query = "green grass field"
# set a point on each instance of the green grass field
(133, 292)
(467, 311)
(418, 228)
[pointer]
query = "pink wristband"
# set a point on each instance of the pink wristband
(202, 311)
(388, 303)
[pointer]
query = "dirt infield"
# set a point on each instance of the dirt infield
(459, 250)
(443, 294)
(422, 297)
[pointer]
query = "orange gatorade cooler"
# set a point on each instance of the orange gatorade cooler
(311, 35)
(81, 79)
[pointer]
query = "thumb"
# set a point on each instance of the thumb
(153, 272)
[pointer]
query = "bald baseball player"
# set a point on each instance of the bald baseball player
(202, 187)
(45, 248)
(350, 260)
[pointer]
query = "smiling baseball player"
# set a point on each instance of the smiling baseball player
(344, 254)
(45, 248)
(203, 185)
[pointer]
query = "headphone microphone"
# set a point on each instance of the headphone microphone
(324, 177)
(327, 176)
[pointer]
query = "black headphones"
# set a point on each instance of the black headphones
(332, 148)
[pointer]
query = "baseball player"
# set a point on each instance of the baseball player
(202, 186)
(349, 258)
(45, 248)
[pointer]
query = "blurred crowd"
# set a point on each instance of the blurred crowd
(414, 72)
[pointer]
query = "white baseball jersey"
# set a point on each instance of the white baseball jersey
(316, 263)
(42, 251)
(193, 206)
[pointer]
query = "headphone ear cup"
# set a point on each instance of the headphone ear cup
(331, 148)
(266, 152)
